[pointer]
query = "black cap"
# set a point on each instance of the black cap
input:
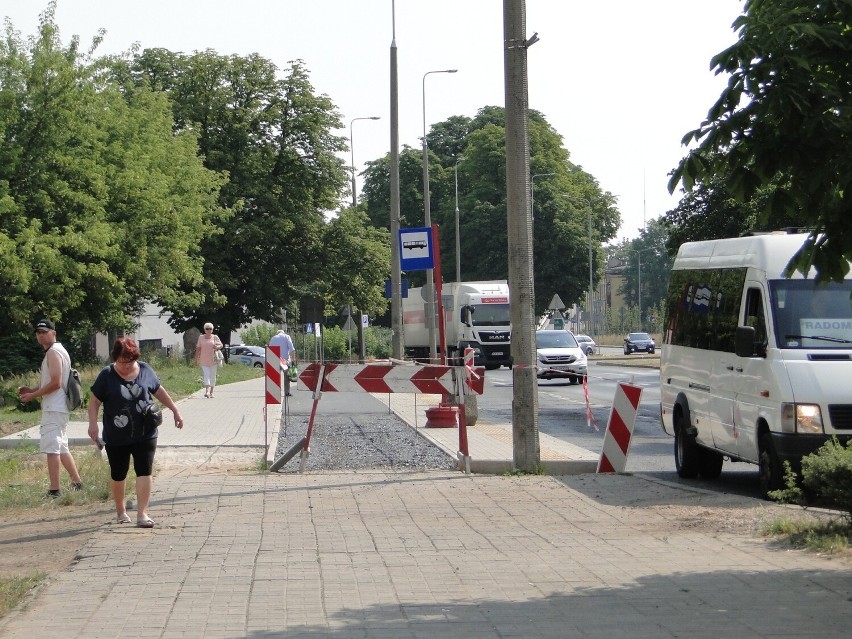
(44, 325)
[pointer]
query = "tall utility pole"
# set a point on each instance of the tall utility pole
(458, 224)
(591, 298)
(362, 347)
(427, 218)
(397, 337)
(525, 441)
(591, 280)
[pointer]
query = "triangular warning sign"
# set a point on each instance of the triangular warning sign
(556, 303)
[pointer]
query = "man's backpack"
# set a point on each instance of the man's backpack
(73, 390)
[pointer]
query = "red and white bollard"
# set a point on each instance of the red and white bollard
(619, 430)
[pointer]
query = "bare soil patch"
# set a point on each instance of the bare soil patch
(47, 539)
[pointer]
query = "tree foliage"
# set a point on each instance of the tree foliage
(649, 250)
(102, 205)
(475, 149)
(273, 139)
(356, 263)
(710, 211)
(784, 119)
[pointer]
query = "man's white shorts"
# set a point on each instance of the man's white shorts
(54, 433)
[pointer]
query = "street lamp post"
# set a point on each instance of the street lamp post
(458, 234)
(430, 279)
(352, 156)
(397, 325)
(532, 191)
(639, 286)
(591, 280)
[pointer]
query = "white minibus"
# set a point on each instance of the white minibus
(755, 367)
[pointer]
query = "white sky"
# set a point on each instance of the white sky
(622, 81)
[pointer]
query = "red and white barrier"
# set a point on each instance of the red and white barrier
(383, 378)
(273, 375)
(619, 430)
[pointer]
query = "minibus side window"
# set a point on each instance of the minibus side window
(703, 308)
(755, 316)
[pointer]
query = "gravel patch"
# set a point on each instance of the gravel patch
(348, 442)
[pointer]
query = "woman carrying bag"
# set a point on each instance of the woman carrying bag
(126, 389)
(208, 347)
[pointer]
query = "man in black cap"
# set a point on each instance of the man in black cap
(54, 410)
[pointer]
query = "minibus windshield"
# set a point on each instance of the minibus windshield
(807, 315)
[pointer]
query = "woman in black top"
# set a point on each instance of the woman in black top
(125, 388)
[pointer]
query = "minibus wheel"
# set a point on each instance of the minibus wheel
(771, 471)
(711, 464)
(687, 452)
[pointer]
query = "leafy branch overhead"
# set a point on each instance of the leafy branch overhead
(781, 129)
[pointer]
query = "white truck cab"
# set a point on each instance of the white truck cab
(755, 367)
(476, 315)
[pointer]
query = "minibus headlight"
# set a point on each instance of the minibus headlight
(805, 419)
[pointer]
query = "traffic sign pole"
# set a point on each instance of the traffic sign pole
(436, 244)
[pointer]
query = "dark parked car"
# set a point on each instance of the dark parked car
(635, 342)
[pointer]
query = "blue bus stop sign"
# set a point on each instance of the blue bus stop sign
(415, 249)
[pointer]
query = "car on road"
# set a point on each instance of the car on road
(559, 355)
(587, 344)
(635, 342)
(249, 355)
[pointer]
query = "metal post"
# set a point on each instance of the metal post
(458, 234)
(591, 282)
(640, 290)
(430, 278)
(639, 287)
(397, 337)
(590, 323)
(352, 154)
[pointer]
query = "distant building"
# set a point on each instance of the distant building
(154, 332)
(614, 280)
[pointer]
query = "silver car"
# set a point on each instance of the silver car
(587, 344)
(249, 355)
(559, 355)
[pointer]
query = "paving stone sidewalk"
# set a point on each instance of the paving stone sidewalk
(433, 554)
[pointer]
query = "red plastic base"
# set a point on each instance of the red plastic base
(442, 417)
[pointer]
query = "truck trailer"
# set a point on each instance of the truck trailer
(476, 316)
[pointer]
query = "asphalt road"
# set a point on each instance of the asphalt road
(562, 414)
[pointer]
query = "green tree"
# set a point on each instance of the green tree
(707, 212)
(102, 205)
(376, 191)
(273, 139)
(711, 211)
(649, 249)
(784, 119)
(561, 203)
(355, 263)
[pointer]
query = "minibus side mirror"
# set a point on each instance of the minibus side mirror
(745, 344)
